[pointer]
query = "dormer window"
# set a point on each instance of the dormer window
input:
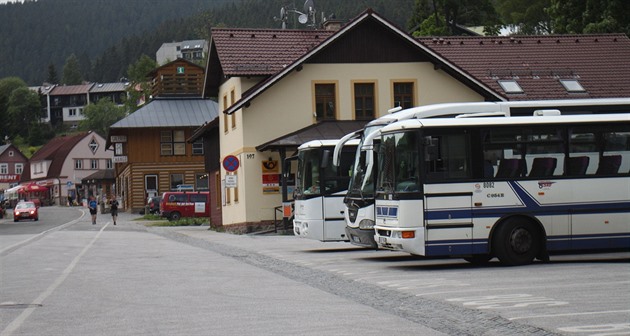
(572, 85)
(510, 86)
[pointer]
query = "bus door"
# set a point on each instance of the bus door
(448, 220)
(334, 222)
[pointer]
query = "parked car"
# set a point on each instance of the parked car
(153, 204)
(177, 204)
(25, 210)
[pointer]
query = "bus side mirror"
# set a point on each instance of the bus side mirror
(325, 159)
(286, 170)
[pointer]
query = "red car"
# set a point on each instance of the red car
(25, 210)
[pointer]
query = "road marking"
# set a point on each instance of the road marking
(570, 314)
(484, 289)
(41, 234)
(18, 321)
(507, 301)
(600, 329)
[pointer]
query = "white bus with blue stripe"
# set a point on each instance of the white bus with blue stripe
(359, 202)
(518, 189)
(320, 189)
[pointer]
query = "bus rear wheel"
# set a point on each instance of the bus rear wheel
(517, 242)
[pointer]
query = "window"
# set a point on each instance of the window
(233, 115)
(364, 101)
(197, 147)
(110, 164)
(176, 180)
(572, 85)
(235, 193)
(510, 86)
(19, 168)
(151, 182)
(201, 181)
(78, 164)
(404, 94)
(72, 112)
(228, 198)
(94, 164)
(217, 189)
(325, 108)
(524, 151)
(119, 149)
(447, 156)
(4, 168)
(225, 116)
(199, 198)
(93, 145)
(11, 153)
(172, 143)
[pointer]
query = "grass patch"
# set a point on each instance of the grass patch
(197, 221)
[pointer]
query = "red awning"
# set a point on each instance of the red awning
(33, 187)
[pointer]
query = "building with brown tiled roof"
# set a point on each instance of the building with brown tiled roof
(544, 67)
(271, 84)
(61, 163)
(12, 163)
(64, 104)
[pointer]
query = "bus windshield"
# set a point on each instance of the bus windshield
(307, 179)
(398, 163)
(362, 181)
(317, 176)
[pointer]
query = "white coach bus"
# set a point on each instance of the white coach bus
(512, 188)
(320, 189)
(359, 202)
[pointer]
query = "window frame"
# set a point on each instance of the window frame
(361, 113)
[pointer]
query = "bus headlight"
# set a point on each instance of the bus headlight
(366, 224)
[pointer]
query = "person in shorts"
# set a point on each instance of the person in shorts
(113, 207)
(92, 205)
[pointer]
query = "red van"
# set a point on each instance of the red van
(177, 204)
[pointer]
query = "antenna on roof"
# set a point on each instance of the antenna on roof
(306, 18)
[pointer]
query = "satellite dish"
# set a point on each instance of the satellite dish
(303, 18)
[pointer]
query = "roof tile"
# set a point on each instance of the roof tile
(537, 63)
(262, 52)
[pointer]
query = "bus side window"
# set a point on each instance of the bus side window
(609, 164)
(510, 168)
(577, 165)
(543, 167)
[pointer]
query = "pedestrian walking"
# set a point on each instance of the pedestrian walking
(92, 205)
(113, 207)
(69, 200)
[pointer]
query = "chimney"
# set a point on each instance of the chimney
(332, 24)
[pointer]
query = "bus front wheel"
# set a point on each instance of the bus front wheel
(517, 242)
(175, 216)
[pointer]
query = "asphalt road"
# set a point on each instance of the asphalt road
(64, 276)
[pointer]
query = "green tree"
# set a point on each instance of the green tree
(139, 88)
(441, 17)
(592, 16)
(7, 86)
(100, 116)
(52, 78)
(24, 111)
(526, 16)
(71, 71)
